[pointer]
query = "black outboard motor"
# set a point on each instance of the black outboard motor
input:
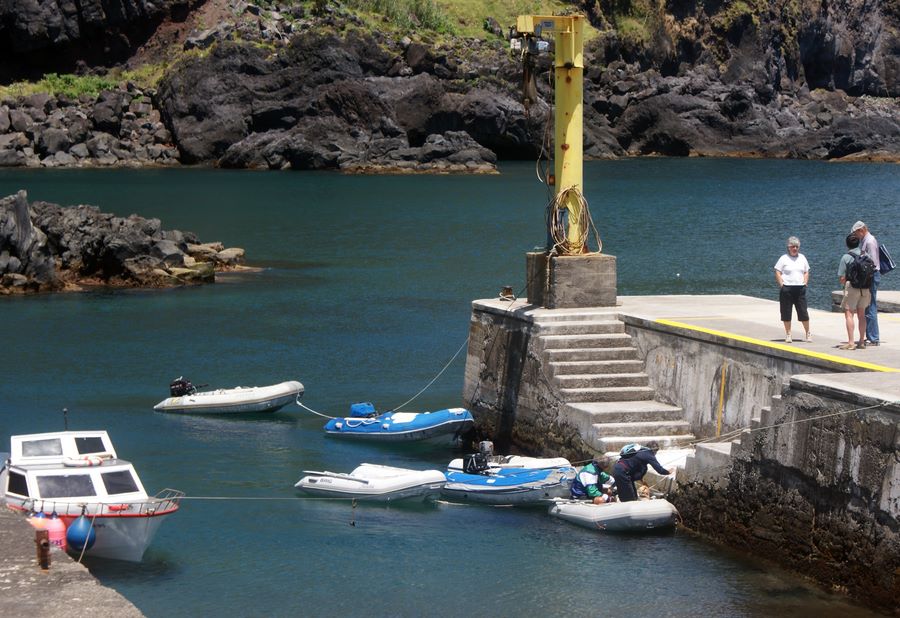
(181, 387)
(479, 463)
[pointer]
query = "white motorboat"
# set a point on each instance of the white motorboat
(76, 476)
(186, 399)
(636, 516)
(373, 482)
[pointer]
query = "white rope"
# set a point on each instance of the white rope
(297, 401)
(558, 226)
(424, 388)
(724, 437)
(408, 401)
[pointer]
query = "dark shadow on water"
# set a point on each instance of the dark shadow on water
(156, 564)
(212, 421)
(432, 446)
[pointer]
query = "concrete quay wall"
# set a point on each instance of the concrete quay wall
(66, 589)
(721, 382)
(814, 486)
(814, 480)
(508, 387)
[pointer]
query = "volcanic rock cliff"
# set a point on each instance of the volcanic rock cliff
(293, 86)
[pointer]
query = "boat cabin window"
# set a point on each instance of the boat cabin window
(86, 446)
(17, 484)
(119, 482)
(66, 486)
(40, 448)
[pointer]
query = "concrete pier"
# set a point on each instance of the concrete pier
(796, 445)
(65, 589)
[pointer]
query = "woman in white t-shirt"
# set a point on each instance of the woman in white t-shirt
(792, 276)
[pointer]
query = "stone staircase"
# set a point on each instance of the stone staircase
(601, 378)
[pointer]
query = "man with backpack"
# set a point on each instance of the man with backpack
(869, 246)
(855, 273)
(632, 466)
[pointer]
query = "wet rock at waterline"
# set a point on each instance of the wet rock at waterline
(47, 247)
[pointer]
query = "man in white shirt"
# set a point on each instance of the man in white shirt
(869, 245)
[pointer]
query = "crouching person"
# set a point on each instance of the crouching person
(632, 466)
(590, 480)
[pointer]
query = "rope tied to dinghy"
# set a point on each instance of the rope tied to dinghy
(405, 403)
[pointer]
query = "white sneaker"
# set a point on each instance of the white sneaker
(808, 338)
(787, 339)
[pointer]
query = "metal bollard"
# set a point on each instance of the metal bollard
(42, 541)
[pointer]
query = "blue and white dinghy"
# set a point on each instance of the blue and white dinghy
(509, 486)
(373, 482)
(636, 516)
(400, 426)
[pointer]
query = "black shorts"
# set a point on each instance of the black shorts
(793, 296)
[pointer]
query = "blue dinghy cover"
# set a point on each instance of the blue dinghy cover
(362, 409)
(403, 425)
(503, 478)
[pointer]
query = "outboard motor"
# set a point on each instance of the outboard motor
(181, 387)
(486, 448)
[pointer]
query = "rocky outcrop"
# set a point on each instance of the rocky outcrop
(37, 36)
(46, 247)
(118, 127)
(804, 80)
(294, 87)
(324, 102)
(699, 115)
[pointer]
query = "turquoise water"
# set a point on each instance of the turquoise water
(365, 295)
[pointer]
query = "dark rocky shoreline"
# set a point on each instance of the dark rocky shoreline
(117, 128)
(322, 91)
(46, 247)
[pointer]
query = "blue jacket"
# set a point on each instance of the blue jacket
(636, 465)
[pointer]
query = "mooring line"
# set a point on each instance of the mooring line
(297, 401)
(732, 434)
(424, 388)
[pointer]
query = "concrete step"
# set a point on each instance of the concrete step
(561, 368)
(613, 444)
(600, 380)
(581, 327)
(624, 411)
(575, 315)
(612, 340)
(711, 462)
(667, 428)
(615, 393)
(590, 354)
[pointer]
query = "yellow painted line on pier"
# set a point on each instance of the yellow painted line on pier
(780, 346)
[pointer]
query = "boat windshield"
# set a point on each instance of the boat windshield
(65, 486)
(42, 448)
(119, 482)
(90, 444)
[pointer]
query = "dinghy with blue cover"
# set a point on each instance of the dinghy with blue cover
(509, 486)
(365, 423)
(636, 516)
(374, 482)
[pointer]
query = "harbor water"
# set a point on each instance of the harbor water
(364, 295)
